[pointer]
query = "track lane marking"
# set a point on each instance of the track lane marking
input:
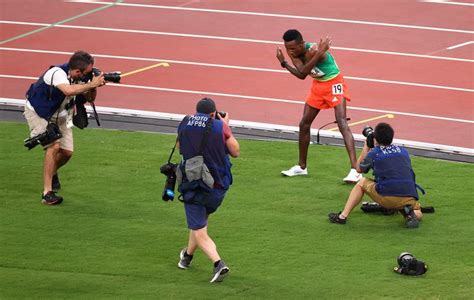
(249, 13)
(278, 100)
(239, 68)
(58, 23)
(460, 45)
(447, 2)
(390, 116)
(162, 64)
(234, 39)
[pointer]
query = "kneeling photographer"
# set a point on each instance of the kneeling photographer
(394, 187)
(204, 175)
(50, 111)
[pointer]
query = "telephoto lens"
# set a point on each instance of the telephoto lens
(169, 170)
(368, 132)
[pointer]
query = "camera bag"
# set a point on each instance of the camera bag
(195, 181)
(79, 119)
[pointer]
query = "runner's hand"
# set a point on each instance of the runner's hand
(279, 55)
(324, 44)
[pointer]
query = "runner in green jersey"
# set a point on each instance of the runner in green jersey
(328, 91)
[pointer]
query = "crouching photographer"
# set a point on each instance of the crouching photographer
(50, 111)
(394, 187)
(204, 175)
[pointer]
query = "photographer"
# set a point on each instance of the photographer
(206, 133)
(394, 186)
(50, 101)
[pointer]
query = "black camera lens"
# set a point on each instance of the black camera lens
(169, 170)
(367, 131)
(111, 77)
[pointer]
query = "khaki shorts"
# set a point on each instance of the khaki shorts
(390, 202)
(38, 125)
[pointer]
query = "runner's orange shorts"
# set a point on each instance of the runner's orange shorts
(328, 94)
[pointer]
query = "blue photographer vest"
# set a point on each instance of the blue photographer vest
(393, 172)
(191, 131)
(46, 99)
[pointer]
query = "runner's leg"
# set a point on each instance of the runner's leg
(340, 112)
(309, 113)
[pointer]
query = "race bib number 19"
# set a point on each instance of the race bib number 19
(337, 89)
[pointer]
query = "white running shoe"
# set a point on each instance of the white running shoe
(352, 177)
(295, 171)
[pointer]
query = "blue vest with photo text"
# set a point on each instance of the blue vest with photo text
(46, 99)
(215, 153)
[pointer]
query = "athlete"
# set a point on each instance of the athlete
(328, 91)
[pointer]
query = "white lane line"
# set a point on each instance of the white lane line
(255, 125)
(279, 100)
(249, 13)
(233, 39)
(238, 68)
(460, 45)
(447, 2)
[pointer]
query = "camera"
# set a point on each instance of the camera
(169, 170)
(222, 114)
(51, 134)
(368, 132)
(373, 207)
(409, 265)
(112, 76)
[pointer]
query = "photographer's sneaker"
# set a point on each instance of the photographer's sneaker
(184, 259)
(56, 185)
(50, 198)
(352, 177)
(334, 218)
(295, 171)
(220, 272)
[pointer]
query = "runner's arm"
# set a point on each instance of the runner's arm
(318, 55)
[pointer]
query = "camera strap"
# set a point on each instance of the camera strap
(204, 137)
(177, 139)
(51, 86)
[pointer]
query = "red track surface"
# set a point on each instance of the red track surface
(431, 103)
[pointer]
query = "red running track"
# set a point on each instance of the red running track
(440, 113)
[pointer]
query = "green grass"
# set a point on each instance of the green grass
(113, 237)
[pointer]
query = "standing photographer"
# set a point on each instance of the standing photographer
(206, 133)
(50, 101)
(394, 186)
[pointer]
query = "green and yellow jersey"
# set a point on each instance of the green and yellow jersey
(326, 69)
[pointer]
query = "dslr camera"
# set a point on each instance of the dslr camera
(169, 170)
(222, 114)
(51, 134)
(409, 265)
(111, 77)
(368, 132)
(374, 207)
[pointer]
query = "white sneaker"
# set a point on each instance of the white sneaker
(295, 171)
(352, 177)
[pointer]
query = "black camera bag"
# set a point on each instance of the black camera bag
(79, 119)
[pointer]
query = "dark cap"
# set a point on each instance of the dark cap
(206, 106)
